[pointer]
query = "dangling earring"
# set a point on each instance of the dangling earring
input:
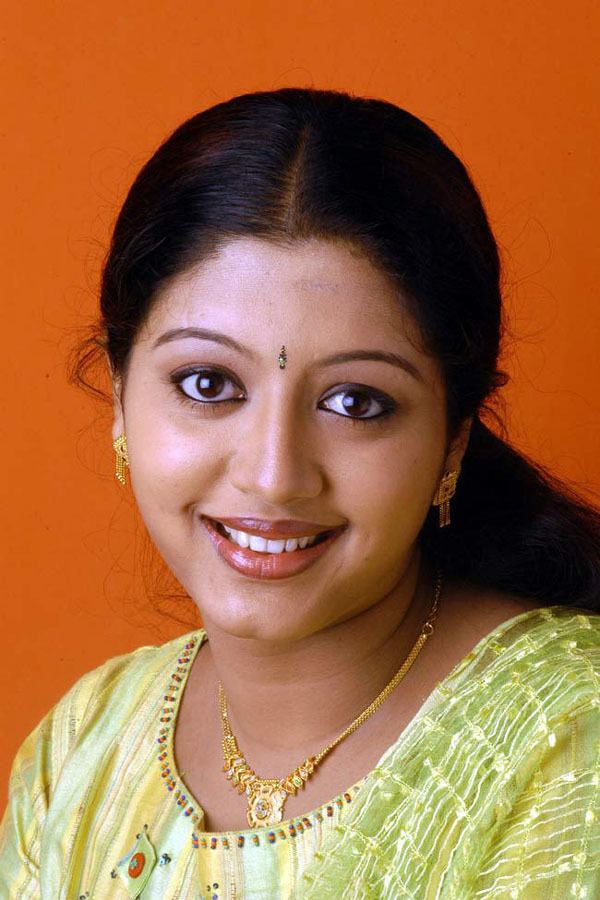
(446, 490)
(122, 459)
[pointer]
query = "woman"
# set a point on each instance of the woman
(396, 689)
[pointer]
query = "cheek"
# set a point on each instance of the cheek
(396, 486)
(167, 469)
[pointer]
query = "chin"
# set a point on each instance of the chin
(255, 621)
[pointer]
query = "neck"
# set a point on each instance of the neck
(290, 698)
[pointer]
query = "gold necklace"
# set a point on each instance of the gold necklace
(266, 796)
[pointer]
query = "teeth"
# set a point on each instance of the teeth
(241, 538)
(262, 545)
(258, 543)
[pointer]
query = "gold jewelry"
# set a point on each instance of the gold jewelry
(445, 491)
(282, 358)
(266, 796)
(122, 458)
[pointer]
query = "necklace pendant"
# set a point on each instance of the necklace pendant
(265, 802)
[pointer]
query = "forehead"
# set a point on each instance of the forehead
(313, 293)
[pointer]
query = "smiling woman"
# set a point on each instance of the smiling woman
(301, 314)
(344, 442)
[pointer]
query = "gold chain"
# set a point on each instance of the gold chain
(266, 796)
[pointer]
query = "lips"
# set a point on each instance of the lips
(281, 529)
(266, 536)
(254, 564)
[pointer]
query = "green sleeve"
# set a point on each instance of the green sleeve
(35, 770)
(23, 821)
(548, 847)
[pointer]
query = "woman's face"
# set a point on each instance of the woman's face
(218, 431)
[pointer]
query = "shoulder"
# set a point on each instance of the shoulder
(542, 662)
(475, 618)
(556, 651)
(128, 676)
(99, 702)
(500, 650)
(547, 636)
(58, 761)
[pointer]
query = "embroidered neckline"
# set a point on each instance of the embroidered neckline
(189, 807)
(186, 802)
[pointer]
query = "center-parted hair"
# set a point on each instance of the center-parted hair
(298, 163)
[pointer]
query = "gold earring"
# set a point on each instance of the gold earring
(122, 459)
(282, 358)
(446, 490)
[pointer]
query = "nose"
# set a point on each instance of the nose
(276, 460)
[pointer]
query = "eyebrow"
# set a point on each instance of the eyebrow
(207, 334)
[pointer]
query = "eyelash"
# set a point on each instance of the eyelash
(389, 406)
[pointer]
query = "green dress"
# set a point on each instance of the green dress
(491, 791)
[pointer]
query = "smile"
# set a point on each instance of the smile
(263, 545)
(258, 557)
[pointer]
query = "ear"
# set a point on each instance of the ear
(458, 446)
(118, 427)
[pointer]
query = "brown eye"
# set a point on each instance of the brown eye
(356, 402)
(205, 386)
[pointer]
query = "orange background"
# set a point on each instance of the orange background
(91, 88)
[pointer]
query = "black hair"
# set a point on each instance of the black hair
(297, 163)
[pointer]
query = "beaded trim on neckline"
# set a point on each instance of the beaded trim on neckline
(186, 802)
(189, 807)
